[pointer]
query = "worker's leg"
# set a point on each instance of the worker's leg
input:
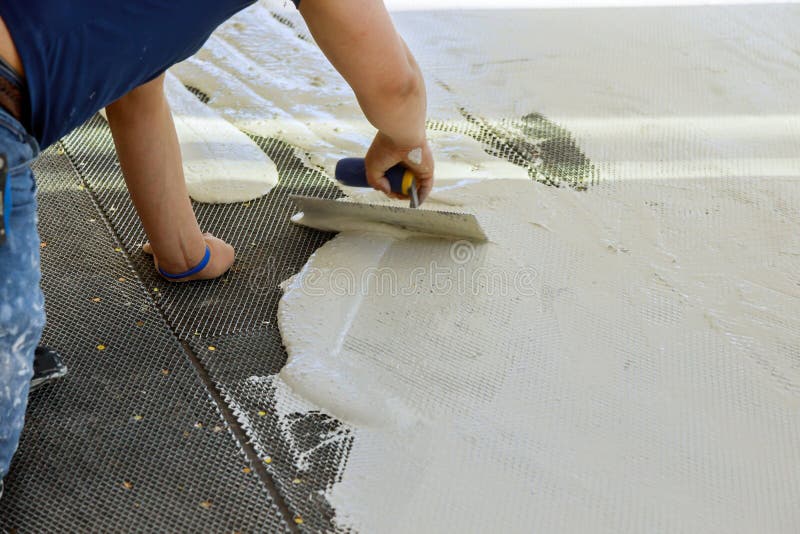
(21, 300)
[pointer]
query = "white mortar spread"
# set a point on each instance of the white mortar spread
(618, 360)
(623, 359)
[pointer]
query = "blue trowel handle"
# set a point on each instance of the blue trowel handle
(353, 172)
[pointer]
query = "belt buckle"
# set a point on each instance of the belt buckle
(3, 214)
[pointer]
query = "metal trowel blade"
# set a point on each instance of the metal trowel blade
(325, 214)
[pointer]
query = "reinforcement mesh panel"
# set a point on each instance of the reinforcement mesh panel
(306, 451)
(130, 440)
(543, 148)
(269, 248)
(235, 316)
(230, 324)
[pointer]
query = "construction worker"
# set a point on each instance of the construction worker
(61, 62)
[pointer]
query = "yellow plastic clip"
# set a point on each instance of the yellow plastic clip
(408, 181)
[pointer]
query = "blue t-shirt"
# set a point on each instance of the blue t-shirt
(80, 55)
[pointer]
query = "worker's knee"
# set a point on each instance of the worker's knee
(20, 330)
(22, 314)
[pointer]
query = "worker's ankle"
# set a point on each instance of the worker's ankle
(181, 264)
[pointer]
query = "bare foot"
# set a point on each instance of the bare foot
(222, 255)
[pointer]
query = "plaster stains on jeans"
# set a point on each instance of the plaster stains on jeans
(21, 311)
(21, 324)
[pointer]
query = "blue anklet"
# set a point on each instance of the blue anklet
(194, 270)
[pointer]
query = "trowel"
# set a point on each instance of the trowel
(352, 172)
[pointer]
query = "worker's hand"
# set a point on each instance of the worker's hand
(384, 154)
(222, 255)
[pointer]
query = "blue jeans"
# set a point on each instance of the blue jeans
(21, 299)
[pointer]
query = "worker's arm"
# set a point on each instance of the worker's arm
(360, 40)
(150, 157)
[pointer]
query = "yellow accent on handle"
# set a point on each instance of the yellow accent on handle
(408, 180)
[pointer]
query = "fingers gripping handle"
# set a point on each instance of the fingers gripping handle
(353, 172)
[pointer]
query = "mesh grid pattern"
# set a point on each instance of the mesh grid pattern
(304, 456)
(546, 150)
(269, 248)
(130, 440)
(236, 315)
(83, 442)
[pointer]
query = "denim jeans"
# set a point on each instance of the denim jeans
(21, 300)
